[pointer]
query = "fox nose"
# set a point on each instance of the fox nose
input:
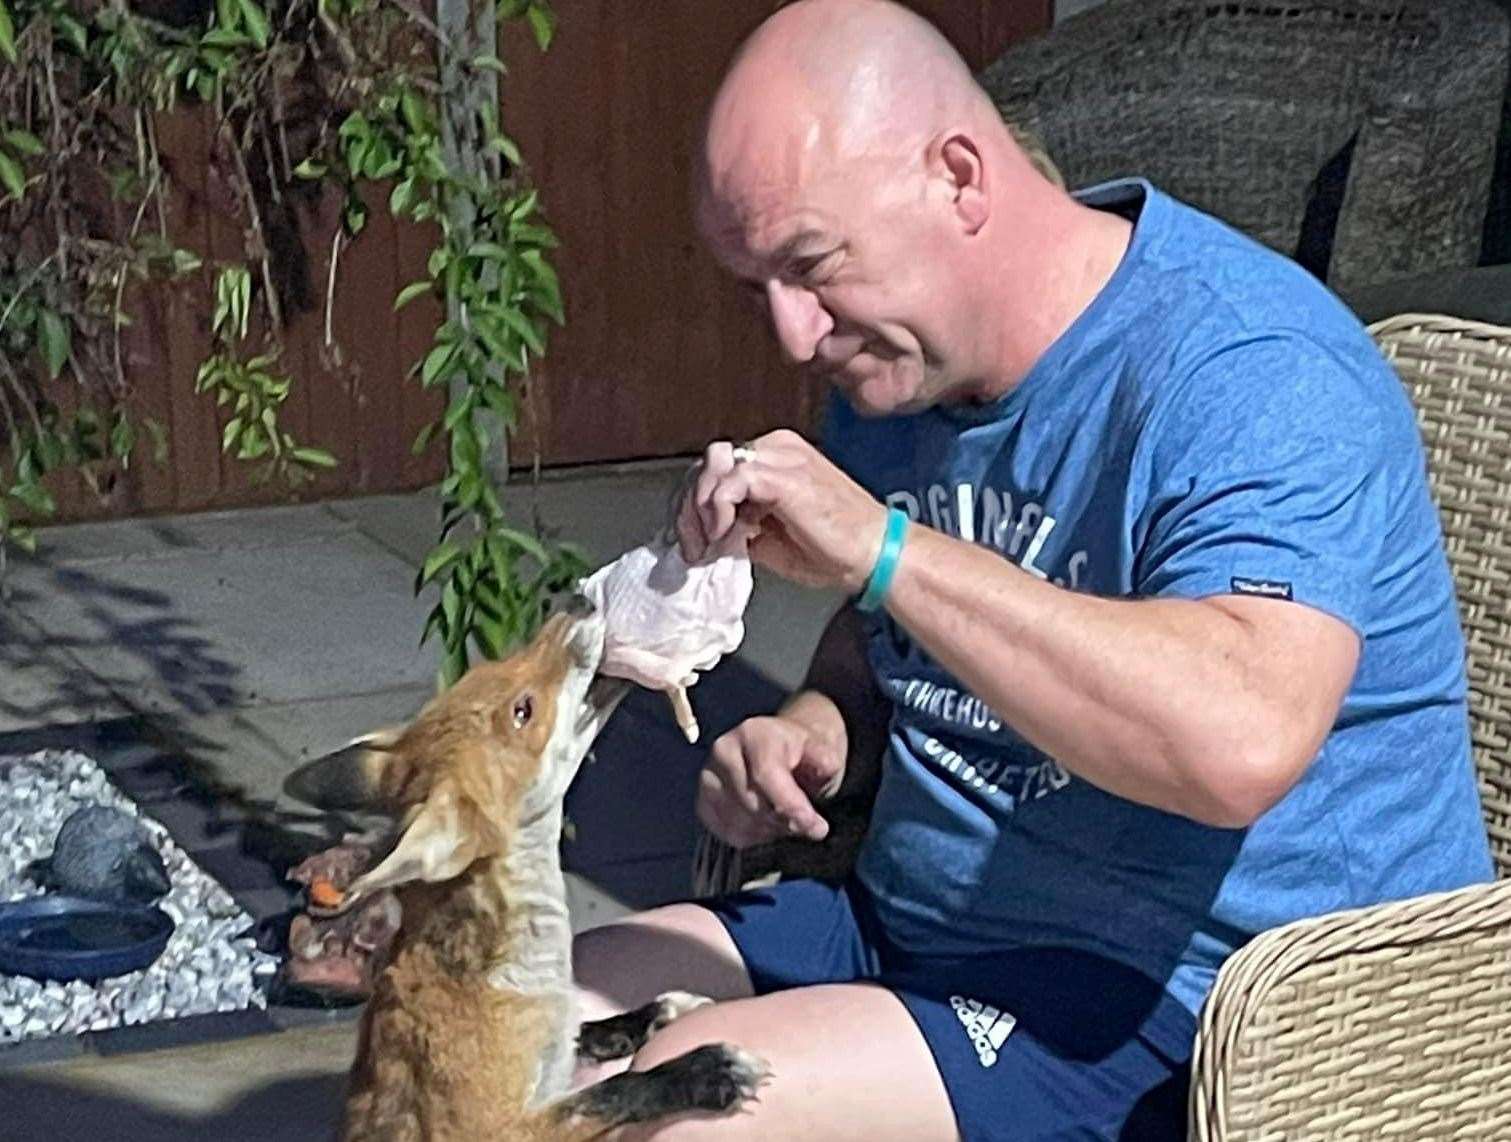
(579, 606)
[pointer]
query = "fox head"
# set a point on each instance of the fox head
(495, 752)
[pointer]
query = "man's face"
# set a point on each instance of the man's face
(845, 265)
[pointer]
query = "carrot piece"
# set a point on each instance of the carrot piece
(325, 894)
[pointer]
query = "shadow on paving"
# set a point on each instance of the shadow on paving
(298, 1109)
(138, 622)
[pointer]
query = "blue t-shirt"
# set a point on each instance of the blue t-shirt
(1215, 422)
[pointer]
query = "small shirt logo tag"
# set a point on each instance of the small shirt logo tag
(1269, 588)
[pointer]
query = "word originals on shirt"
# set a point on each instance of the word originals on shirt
(997, 776)
(1021, 537)
(946, 703)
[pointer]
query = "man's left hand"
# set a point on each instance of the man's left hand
(814, 525)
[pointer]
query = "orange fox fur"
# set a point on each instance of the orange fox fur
(448, 1048)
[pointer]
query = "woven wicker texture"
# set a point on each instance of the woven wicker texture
(1392, 1022)
(1237, 108)
(1386, 1023)
(1459, 375)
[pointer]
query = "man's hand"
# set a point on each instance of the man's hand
(762, 779)
(815, 525)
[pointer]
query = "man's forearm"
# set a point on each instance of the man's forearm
(1168, 702)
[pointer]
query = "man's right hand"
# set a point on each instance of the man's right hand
(762, 779)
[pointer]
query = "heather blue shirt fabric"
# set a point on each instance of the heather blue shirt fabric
(1215, 422)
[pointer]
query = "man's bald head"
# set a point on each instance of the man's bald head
(836, 81)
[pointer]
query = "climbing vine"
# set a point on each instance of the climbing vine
(305, 97)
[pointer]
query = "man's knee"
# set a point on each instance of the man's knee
(681, 947)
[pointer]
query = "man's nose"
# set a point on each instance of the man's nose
(799, 320)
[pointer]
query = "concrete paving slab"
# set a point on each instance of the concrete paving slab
(240, 530)
(43, 685)
(266, 1088)
(317, 617)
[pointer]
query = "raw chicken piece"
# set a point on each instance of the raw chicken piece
(667, 620)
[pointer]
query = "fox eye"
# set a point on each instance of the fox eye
(524, 710)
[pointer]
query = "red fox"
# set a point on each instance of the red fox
(470, 1032)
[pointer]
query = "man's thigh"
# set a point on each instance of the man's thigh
(680, 947)
(848, 1064)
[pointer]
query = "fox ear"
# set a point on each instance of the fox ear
(442, 840)
(351, 778)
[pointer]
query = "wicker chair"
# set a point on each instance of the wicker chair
(1357, 136)
(1394, 1022)
(1391, 1022)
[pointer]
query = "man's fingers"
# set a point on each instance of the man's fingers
(731, 823)
(718, 462)
(819, 772)
(792, 806)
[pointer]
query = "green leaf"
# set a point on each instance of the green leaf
(55, 339)
(491, 250)
(542, 23)
(354, 215)
(508, 148)
(226, 38)
(312, 457)
(534, 235)
(416, 112)
(489, 63)
(12, 176)
(437, 361)
(451, 604)
(412, 291)
(460, 410)
(24, 538)
(437, 561)
(402, 197)
(526, 543)
(7, 34)
(24, 141)
(310, 168)
(185, 261)
(490, 634)
(422, 439)
(522, 325)
(233, 431)
(35, 497)
(72, 31)
(122, 437)
(242, 306)
(255, 20)
(50, 449)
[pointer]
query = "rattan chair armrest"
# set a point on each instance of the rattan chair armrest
(1392, 1022)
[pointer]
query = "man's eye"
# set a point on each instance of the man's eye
(524, 710)
(807, 269)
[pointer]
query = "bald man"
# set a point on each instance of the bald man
(1151, 615)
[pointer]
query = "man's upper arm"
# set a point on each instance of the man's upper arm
(1270, 477)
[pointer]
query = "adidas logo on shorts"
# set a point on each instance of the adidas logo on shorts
(987, 1027)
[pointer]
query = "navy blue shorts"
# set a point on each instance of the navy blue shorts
(1036, 1044)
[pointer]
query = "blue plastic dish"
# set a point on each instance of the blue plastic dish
(67, 937)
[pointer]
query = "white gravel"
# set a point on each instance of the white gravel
(211, 963)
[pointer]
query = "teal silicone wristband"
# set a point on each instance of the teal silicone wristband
(886, 562)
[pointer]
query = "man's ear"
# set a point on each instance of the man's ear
(445, 836)
(351, 778)
(961, 163)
